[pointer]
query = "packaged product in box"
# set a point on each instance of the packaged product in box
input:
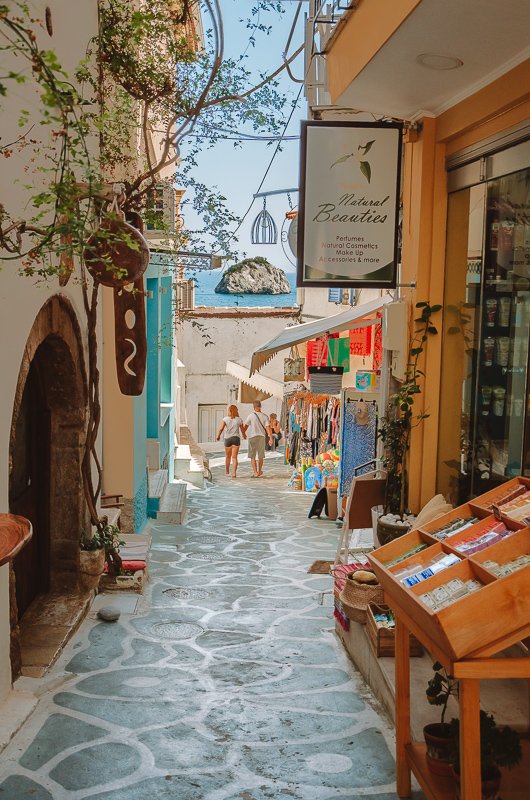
(367, 380)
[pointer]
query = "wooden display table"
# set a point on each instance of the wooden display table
(463, 635)
(15, 533)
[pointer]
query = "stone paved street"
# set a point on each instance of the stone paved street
(226, 682)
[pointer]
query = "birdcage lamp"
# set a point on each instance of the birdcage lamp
(264, 230)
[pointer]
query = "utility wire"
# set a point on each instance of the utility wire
(242, 138)
(247, 212)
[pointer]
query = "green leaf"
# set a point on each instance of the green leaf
(341, 160)
(432, 329)
(366, 147)
(436, 308)
(415, 351)
(366, 170)
(421, 305)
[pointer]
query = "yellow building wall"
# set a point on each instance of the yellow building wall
(490, 108)
(424, 212)
(117, 413)
(495, 108)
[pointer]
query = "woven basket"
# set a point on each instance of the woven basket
(356, 596)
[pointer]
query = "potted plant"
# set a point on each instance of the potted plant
(91, 561)
(499, 747)
(438, 734)
(96, 550)
(395, 430)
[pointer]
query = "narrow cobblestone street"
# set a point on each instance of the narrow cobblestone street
(224, 682)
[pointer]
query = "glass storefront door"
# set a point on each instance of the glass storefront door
(486, 328)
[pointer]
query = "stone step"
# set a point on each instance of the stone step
(158, 479)
(172, 507)
(191, 470)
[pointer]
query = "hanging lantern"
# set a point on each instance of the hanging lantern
(264, 230)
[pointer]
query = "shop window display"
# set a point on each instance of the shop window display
(483, 441)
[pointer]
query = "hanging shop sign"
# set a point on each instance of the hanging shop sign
(349, 204)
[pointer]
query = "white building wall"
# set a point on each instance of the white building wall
(235, 339)
(22, 297)
(315, 304)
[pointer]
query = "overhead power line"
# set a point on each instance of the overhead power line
(247, 212)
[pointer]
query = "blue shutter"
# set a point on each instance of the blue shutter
(334, 295)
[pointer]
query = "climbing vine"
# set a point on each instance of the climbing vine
(396, 426)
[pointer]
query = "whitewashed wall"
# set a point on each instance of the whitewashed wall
(205, 364)
(22, 297)
(314, 302)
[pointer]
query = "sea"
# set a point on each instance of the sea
(207, 280)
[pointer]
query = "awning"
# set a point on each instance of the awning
(354, 317)
(269, 386)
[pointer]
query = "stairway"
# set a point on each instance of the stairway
(188, 467)
(172, 507)
(156, 483)
(166, 501)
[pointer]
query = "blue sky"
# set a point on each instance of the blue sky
(237, 172)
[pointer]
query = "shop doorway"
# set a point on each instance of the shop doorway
(45, 456)
(30, 487)
(484, 436)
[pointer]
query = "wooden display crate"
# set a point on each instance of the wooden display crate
(457, 538)
(486, 501)
(467, 637)
(464, 511)
(477, 624)
(382, 639)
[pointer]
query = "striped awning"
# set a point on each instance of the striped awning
(262, 383)
(353, 317)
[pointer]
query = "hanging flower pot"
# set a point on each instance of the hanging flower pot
(116, 254)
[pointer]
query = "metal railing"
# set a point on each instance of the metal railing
(332, 10)
(322, 21)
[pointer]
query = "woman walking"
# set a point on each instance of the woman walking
(231, 425)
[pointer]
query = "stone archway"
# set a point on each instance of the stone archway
(45, 455)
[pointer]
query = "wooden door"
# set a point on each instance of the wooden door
(210, 417)
(30, 490)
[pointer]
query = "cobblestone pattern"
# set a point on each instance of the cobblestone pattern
(241, 694)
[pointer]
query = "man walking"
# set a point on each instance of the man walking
(256, 429)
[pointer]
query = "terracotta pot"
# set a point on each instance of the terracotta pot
(108, 256)
(388, 531)
(91, 567)
(490, 785)
(438, 741)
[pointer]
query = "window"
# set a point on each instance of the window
(161, 209)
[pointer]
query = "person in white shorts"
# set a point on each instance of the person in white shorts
(256, 429)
